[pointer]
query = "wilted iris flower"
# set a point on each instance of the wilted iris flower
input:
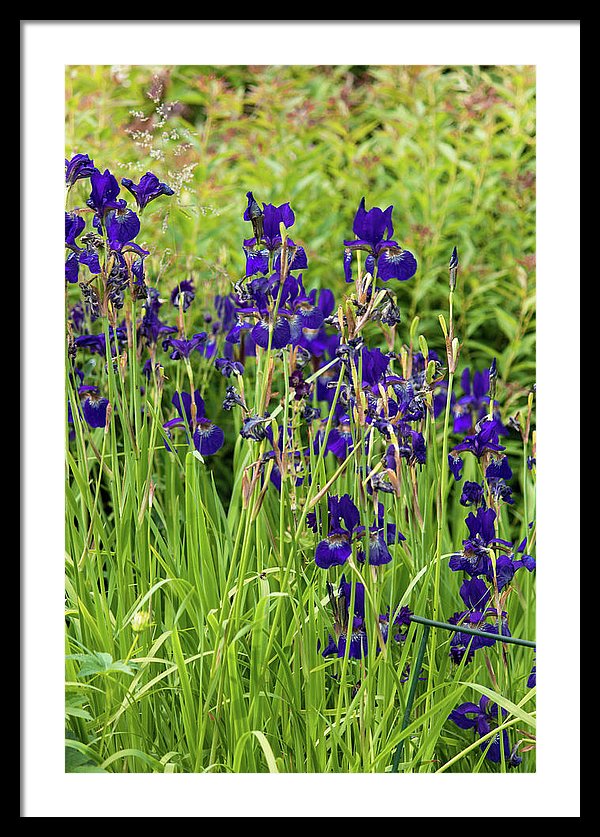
(472, 494)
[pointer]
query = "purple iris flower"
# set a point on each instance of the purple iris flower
(344, 519)
(257, 261)
(483, 718)
(206, 436)
(473, 405)
(229, 367)
(374, 231)
(476, 596)
(302, 311)
(411, 446)
(78, 167)
(472, 494)
(496, 474)
(104, 193)
(183, 294)
(340, 441)
(148, 189)
(353, 635)
(475, 558)
(183, 348)
(345, 632)
(408, 403)
(94, 406)
(483, 440)
(122, 226)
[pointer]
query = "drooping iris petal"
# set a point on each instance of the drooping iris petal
(499, 469)
(330, 648)
(379, 553)
(122, 226)
(94, 410)
(348, 264)
(91, 260)
(257, 261)
(281, 334)
(296, 257)
(465, 715)
(396, 263)
(340, 441)
(72, 268)
(374, 365)
(334, 550)
(74, 226)
(475, 594)
(358, 645)
(208, 437)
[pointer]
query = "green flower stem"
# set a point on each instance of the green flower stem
(413, 690)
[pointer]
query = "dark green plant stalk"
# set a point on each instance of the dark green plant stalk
(411, 695)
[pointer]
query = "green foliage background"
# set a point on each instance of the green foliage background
(452, 148)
